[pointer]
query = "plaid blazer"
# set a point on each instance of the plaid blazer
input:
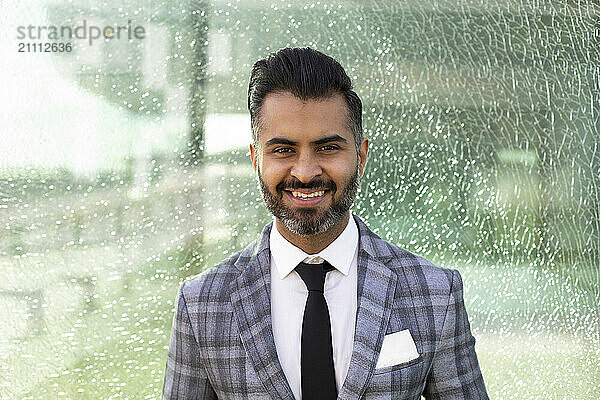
(222, 342)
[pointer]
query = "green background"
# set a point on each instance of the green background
(483, 123)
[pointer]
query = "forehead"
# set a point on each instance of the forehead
(283, 114)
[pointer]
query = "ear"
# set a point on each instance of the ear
(363, 149)
(253, 156)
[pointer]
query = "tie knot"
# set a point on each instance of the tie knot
(313, 275)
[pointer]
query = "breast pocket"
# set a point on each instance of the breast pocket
(403, 365)
(398, 382)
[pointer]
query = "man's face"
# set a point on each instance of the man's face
(307, 164)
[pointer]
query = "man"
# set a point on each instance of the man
(319, 307)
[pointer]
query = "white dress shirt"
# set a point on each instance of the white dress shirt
(289, 294)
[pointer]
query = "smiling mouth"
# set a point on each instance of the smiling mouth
(307, 195)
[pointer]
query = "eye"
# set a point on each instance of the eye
(329, 147)
(282, 150)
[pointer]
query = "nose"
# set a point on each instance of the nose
(306, 168)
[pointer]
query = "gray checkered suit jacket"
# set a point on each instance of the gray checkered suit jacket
(222, 342)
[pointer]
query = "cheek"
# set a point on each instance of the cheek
(271, 173)
(343, 171)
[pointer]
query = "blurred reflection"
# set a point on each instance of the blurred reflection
(484, 134)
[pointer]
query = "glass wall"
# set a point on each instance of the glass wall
(124, 169)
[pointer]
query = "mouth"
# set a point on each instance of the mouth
(306, 197)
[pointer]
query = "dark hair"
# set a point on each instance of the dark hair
(307, 74)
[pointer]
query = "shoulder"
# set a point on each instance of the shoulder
(418, 271)
(212, 285)
(413, 271)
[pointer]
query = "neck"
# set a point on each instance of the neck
(312, 244)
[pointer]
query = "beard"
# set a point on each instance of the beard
(307, 221)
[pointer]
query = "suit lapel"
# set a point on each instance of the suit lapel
(250, 299)
(376, 287)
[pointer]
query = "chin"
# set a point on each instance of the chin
(313, 225)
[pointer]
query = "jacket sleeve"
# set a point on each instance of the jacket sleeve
(185, 376)
(455, 372)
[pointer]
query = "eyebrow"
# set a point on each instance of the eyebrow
(327, 139)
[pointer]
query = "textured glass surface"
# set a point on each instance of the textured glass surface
(124, 169)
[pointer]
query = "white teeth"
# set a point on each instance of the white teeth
(308, 195)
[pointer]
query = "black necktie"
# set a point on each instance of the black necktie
(316, 362)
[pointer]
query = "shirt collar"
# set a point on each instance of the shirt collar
(339, 253)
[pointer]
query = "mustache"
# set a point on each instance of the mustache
(316, 183)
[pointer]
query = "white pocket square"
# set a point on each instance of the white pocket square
(397, 348)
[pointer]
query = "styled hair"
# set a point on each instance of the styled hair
(307, 74)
